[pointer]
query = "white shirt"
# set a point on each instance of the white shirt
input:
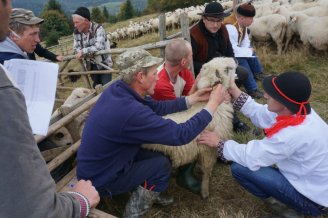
(300, 152)
(244, 50)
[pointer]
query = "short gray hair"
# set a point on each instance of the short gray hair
(175, 50)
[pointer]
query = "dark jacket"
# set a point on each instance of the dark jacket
(120, 122)
(206, 45)
(42, 52)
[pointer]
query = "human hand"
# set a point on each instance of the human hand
(60, 57)
(217, 96)
(199, 95)
(234, 90)
(208, 138)
(79, 55)
(88, 190)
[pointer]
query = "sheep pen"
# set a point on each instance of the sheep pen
(218, 70)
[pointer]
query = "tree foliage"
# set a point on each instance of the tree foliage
(53, 5)
(126, 11)
(105, 14)
(54, 21)
(96, 15)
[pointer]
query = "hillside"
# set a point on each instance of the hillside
(69, 6)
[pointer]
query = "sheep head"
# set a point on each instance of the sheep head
(217, 71)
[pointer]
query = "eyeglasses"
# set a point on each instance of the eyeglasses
(218, 21)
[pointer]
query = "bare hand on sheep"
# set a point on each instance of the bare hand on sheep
(234, 90)
(208, 138)
(217, 96)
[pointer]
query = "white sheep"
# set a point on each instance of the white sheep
(218, 70)
(76, 96)
(272, 26)
(312, 30)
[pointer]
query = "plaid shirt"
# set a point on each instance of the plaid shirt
(91, 42)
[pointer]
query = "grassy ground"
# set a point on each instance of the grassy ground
(227, 199)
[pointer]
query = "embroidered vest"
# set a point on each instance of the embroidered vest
(233, 21)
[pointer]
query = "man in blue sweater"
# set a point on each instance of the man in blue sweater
(125, 117)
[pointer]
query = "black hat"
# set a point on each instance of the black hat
(214, 9)
(290, 89)
(246, 10)
(83, 12)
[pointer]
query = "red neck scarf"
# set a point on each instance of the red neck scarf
(285, 121)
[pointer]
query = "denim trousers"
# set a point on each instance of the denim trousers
(150, 169)
(269, 182)
(252, 66)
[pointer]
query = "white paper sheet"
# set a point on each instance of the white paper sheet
(38, 81)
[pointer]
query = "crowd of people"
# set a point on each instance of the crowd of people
(287, 169)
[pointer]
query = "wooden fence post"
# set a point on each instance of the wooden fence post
(162, 31)
(85, 77)
(184, 22)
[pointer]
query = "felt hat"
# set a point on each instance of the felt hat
(246, 10)
(291, 89)
(83, 12)
(133, 60)
(23, 16)
(214, 9)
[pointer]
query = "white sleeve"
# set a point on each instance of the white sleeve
(239, 51)
(257, 153)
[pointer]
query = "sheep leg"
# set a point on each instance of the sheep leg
(207, 159)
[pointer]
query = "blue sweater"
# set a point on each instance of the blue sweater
(120, 122)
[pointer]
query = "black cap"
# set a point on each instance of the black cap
(246, 10)
(294, 85)
(214, 9)
(83, 12)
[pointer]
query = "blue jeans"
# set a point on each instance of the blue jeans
(253, 66)
(149, 166)
(269, 182)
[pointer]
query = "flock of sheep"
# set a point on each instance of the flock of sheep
(276, 20)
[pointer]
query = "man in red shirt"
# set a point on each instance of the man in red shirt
(176, 80)
(174, 77)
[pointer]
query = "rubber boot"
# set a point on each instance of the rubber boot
(281, 209)
(142, 200)
(186, 179)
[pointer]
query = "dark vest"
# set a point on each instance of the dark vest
(201, 41)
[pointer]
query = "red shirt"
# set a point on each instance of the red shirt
(164, 89)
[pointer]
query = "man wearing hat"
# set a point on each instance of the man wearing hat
(210, 39)
(23, 37)
(237, 28)
(125, 117)
(288, 168)
(89, 38)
